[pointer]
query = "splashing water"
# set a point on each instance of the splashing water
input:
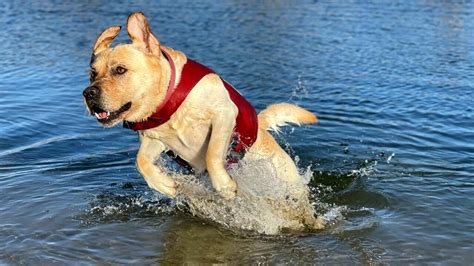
(264, 203)
(112, 207)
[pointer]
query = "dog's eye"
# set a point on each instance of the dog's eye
(92, 74)
(120, 70)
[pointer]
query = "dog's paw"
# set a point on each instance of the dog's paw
(169, 191)
(228, 192)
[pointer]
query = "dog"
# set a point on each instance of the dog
(181, 107)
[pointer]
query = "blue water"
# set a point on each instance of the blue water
(392, 83)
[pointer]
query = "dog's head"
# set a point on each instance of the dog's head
(126, 81)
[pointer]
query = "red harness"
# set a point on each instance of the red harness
(246, 124)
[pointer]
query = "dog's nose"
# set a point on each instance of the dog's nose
(91, 92)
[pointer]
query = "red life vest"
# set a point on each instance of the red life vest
(246, 124)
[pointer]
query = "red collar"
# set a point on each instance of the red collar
(171, 86)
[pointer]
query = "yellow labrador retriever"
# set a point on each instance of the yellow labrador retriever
(178, 105)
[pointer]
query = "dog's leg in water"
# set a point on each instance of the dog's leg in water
(156, 177)
(222, 127)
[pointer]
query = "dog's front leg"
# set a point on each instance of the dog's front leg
(155, 176)
(223, 124)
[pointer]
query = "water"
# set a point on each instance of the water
(393, 156)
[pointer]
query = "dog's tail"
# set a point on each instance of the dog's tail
(280, 114)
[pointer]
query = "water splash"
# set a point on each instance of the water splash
(264, 203)
(112, 207)
(389, 159)
(267, 205)
(367, 170)
(300, 90)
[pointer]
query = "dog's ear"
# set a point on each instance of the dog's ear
(141, 35)
(105, 39)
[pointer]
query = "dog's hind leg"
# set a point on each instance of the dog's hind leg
(154, 175)
(267, 147)
(272, 117)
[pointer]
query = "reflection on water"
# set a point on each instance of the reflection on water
(392, 156)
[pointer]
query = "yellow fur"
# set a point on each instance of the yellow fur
(277, 115)
(200, 130)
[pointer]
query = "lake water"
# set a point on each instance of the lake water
(392, 83)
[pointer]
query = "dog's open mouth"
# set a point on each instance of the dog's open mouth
(105, 116)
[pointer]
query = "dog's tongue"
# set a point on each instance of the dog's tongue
(102, 115)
